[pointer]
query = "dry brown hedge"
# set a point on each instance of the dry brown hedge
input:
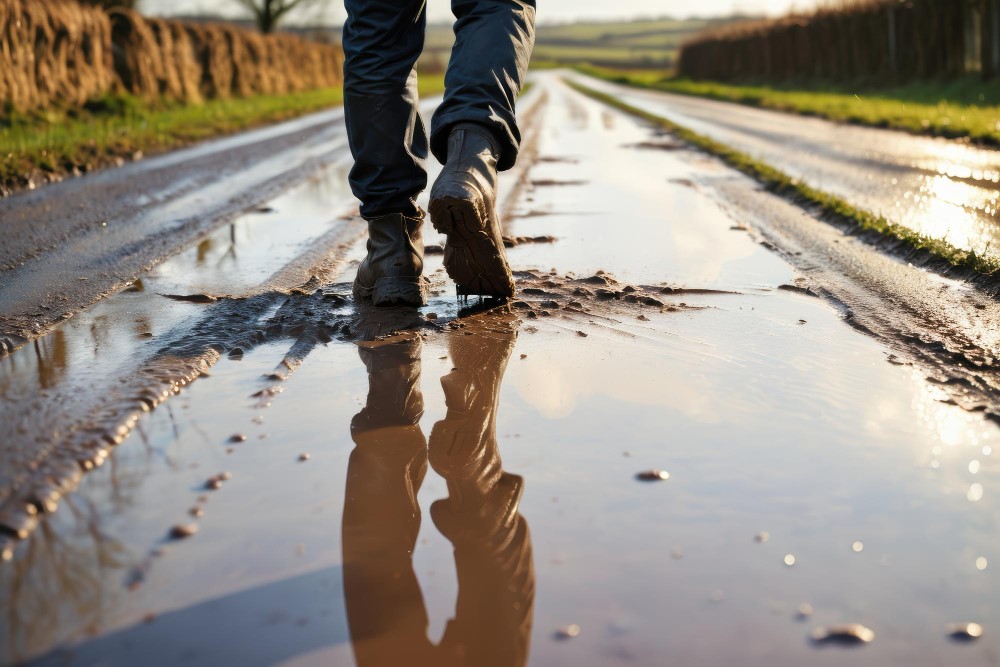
(52, 52)
(60, 52)
(886, 39)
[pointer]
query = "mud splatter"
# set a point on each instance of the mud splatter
(658, 145)
(798, 290)
(853, 634)
(965, 632)
(192, 298)
(183, 531)
(552, 182)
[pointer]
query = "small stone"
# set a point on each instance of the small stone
(789, 560)
(196, 512)
(237, 437)
(852, 634)
(804, 611)
(652, 476)
(581, 334)
(965, 632)
(431, 316)
(304, 456)
(568, 632)
(761, 537)
(183, 530)
(524, 356)
(213, 484)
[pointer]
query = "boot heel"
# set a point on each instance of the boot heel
(399, 291)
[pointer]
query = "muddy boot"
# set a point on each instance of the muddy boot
(463, 207)
(390, 275)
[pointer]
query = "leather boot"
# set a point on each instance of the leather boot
(391, 272)
(463, 208)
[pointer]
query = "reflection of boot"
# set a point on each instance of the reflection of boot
(492, 623)
(385, 608)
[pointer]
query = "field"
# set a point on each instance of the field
(650, 43)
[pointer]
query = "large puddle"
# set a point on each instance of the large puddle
(467, 493)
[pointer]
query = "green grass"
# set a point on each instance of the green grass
(986, 266)
(38, 146)
(964, 108)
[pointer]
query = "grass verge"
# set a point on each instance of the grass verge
(45, 146)
(935, 253)
(966, 108)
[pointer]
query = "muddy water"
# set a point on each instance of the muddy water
(941, 188)
(470, 493)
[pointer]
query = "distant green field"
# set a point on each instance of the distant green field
(650, 43)
(966, 107)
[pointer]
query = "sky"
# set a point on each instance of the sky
(549, 10)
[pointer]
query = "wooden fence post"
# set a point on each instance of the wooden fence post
(893, 56)
(991, 39)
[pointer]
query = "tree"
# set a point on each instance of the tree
(268, 13)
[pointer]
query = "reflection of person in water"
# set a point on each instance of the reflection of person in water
(385, 607)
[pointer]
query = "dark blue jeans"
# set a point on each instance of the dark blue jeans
(382, 41)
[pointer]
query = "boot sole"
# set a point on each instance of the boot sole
(473, 256)
(394, 292)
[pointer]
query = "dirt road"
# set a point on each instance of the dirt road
(235, 473)
(941, 188)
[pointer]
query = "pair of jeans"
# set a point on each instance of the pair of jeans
(382, 41)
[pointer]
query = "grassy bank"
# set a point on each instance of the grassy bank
(43, 146)
(962, 108)
(840, 210)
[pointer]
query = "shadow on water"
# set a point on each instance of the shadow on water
(386, 619)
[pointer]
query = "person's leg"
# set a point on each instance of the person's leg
(382, 41)
(475, 135)
(493, 42)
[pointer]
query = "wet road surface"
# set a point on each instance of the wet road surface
(939, 187)
(466, 492)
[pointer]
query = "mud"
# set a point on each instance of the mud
(430, 455)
